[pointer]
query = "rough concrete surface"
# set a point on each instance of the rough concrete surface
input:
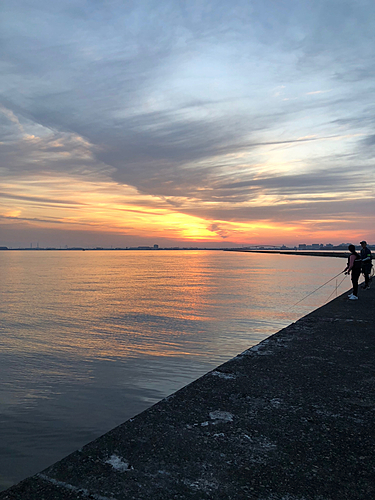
(289, 419)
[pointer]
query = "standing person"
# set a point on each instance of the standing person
(354, 266)
(366, 263)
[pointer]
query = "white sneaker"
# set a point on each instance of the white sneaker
(353, 297)
(350, 295)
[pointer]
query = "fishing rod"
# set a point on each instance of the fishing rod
(338, 285)
(321, 286)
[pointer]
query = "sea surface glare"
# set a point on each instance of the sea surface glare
(90, 339)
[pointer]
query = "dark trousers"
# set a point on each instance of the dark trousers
(366, 272)
(355, 277)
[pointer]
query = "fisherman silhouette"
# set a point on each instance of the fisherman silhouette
(354, 266)
(366, 263)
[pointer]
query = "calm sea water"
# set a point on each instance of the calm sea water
(90, 339)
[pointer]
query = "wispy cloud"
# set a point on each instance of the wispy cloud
(318, 92)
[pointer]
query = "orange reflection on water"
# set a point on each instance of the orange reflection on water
(114, 305)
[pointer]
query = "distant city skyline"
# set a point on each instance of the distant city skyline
(204, 122)
(300, 246)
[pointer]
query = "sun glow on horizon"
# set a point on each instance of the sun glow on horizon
(109, 208)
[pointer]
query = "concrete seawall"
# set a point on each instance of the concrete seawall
(290, 419)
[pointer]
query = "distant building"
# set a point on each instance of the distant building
(315, 246)
(156, 247)
(302, 246)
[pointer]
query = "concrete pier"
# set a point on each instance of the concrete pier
(292, 418)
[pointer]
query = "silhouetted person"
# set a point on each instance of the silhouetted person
(354, 266)
(366, 263)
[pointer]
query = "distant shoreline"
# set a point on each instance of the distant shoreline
(93, 249)
(316, 253)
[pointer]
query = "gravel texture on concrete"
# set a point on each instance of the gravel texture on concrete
(289, 419)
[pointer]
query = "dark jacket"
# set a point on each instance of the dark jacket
(366, 258)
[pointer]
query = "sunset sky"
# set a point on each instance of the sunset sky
(176, 122)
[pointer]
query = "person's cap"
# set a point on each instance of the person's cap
(362, 242)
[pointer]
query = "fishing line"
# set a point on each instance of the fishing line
(321, 286)
(337, 286)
